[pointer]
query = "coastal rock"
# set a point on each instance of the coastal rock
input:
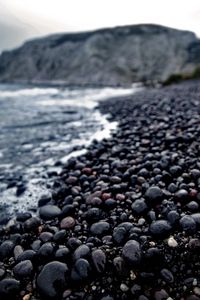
(9, 289)
(160, 228)
(49, 212)
(100, 228)
(23, 269)
(132, 252)
(99, 260)
(52, 280)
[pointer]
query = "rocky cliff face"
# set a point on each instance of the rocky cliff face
(120, 55)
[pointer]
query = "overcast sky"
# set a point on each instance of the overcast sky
(24, 19)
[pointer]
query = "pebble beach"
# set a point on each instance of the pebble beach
(123, 220)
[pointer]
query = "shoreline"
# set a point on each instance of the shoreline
(123, 220)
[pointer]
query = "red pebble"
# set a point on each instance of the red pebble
(105, 196)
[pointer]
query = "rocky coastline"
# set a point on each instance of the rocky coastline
(123, 220)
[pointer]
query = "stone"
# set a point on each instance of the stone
(52, 280)
(139, 206)
(99, 260)
(167, 275)
(154, 195)
(100, 228)
(81, 270)
(9, 289)
(6, 249)
(132, 252)
(81, 252)
(23, 269)
(32, 224)
(160, 228)
(67, 223)
(188, 224)
(48, 212)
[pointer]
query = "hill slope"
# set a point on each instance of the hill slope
(120, 55)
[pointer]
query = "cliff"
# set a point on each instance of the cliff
(113, 56)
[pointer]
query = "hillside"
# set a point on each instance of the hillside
(116, 56)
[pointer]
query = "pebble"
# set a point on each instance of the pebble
(99, 260)
(81, 270)
(9, 289)
(6, 249)
(139, 206)
(154, 195)
(23, 269)
(188, 224)
(48, 212)
(172, 242)
(100, 228)
(67, 223)
(52, 280)
(81, 252)
(160, 228)
(132, 252)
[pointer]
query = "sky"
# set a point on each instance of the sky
(25, 19)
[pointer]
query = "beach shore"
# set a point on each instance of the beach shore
(123, 220)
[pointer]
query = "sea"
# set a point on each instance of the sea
(40, 129)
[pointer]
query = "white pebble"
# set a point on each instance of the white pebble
(124, 287)
(172, 242)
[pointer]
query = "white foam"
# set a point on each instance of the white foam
(29, 92)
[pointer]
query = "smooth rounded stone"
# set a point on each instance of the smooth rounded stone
(172, 242)
(172, 188)
(62, 254)
(188, 224)
(67, 223)
(6, 249)
(154, 195)
(22, 217)
(124, 288)
(93, 214)
(60, 236)
(167, 275)
(110, 204)
(32, 224)
(182, 195)
(46, 236)
(193, 206)
(9, 289)
(175, 170)
(49, 212)
(161, 295)
(120, 266)
(173, 217)
(46, 251)
(17, 251)
(132, 252)
(119, 235)
(26, 255)
(195, 173)
(81, 252)
(23, 269)
(100, 228)
(81, 270)
(136, 289)
(194, 244)
(127, 225)
(196, 218)
(139, 206)
(53, 280)
(99, 260)
(160, 228)
(73, 243)
(68, 210)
